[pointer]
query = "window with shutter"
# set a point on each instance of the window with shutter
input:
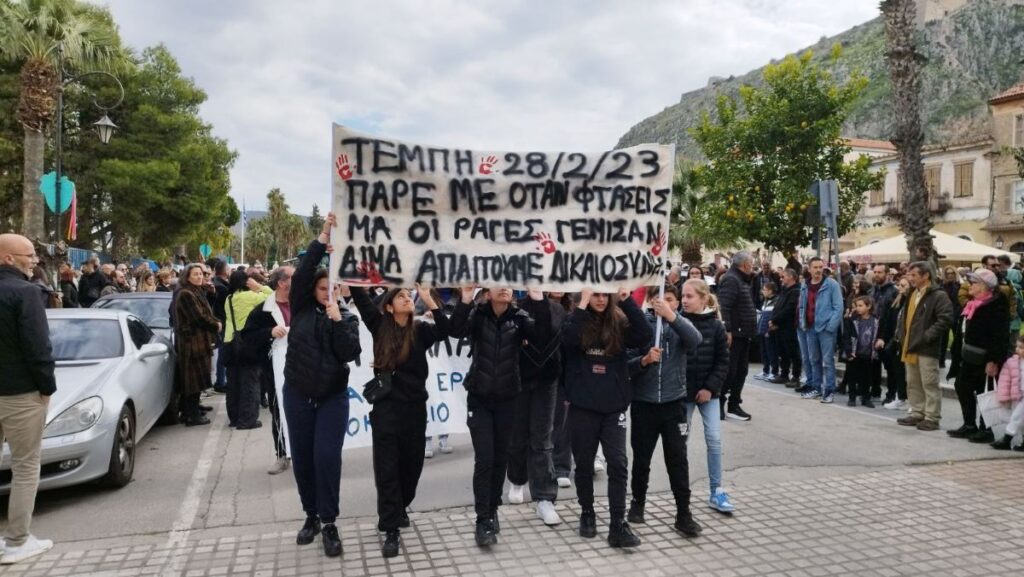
(963, 179)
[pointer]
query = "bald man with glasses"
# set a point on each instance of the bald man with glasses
(26, 364)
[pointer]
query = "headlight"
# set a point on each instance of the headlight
(76, 418)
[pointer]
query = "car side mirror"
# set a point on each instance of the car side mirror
(153, 350)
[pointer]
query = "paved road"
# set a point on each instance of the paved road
(211, 481)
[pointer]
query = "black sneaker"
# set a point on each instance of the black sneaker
(205, 408)
(495, 524)
(588, 524)
(686, 525)
(737, 414)
(331, 540)
(777, 380)
(1003, 444)
(391, 543)
(310, 529)
(965, 431)
(636, 512)
(982, 436)
(404, 522)
(868, 403)
(852, 402)
(620, 535)
(485, 533)
(196, 421)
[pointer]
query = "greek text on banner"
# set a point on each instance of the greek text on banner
(563, 221)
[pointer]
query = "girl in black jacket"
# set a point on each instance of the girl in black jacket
(594, 340)
(322, 340)
(706, 370)
(889, 350)
(496, 330)
(399, 419)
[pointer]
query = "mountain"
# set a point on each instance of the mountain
(974, 52)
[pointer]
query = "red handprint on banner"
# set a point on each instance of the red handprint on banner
(342, 166)
(487, 165)
(370, 272)
(659, 245)
(545, 243)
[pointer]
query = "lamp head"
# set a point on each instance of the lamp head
(105, 128)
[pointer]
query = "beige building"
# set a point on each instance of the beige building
(974, 189)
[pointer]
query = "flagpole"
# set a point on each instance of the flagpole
(241, 258)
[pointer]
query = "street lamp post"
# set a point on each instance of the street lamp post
(104, 127)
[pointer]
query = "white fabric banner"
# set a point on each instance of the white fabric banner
(561, 221)
(446, 407)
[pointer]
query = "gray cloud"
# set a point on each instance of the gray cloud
(570, 75)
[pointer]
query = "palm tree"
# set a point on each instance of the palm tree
(905, 63)
(30, 33)
(681, 236)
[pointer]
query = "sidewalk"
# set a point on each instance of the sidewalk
(964, 518)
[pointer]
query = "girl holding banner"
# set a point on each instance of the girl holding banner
(595, 338)
(399, 416)
(322, 341)
(497, 330)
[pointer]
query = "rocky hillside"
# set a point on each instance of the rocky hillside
(973, 54)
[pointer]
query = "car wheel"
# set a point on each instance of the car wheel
(122, 454)
(170, 414)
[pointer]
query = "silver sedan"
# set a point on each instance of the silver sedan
(115, 380)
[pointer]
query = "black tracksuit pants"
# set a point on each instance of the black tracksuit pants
(588, 429)
(398, 429)
(530, 454)
(561, 455)
(895, 374)
(490, 424)
(739, 364)
(789, 353)
(651, 421)
(242, 394)
(970, 382)
(861, 377)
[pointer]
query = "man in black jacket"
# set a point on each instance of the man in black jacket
(221, 290)
(26, 383)
(883, 292)
(736, 303)
(783, 324)
(92, 282)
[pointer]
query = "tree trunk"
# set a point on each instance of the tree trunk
(905, 64)
(32, 205)
(691, 254)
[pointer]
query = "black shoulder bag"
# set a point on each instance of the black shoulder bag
(378, 387)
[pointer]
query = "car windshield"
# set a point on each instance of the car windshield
(85, 339)
(153, 311)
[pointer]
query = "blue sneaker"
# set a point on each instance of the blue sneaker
(812, 394)
(719, 501)
(827, 399)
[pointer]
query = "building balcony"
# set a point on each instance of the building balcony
(939, 204)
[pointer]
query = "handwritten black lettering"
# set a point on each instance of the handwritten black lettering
(423, 196)
(383, 155)
(408, 154)
(478, 193)
(359, 142)
(463, 162)
(384, 258)
(371, 227)
(434, 153)
(498, 230)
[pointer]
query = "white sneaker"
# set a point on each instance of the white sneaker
(30, 548)
(279, 466)
(564, 482)
(598, 464)
(546, 512)
(515, 494)
(443, 445)
(428, 450)
(895, 405)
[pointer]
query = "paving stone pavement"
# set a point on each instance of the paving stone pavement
(955, 519)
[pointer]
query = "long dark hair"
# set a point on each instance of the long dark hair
(393, 342)
(237, 281)
(604, 330)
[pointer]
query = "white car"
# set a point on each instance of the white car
(115, 380)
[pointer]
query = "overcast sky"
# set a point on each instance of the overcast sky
(512, 75)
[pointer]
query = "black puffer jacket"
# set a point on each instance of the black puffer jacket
(540, 361)
(594, 380)
(319, 349)
(89, 287)
(26, 358)
(736, 303)
(708, 364)
(785, 311)
(494, 372)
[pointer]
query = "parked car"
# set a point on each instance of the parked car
(115, 380)
(153, 308)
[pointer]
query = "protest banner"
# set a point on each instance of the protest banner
(448, 362)
(448, 217)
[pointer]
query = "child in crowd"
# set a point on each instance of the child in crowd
(1009, 392)
(769, 349)
(859, 346)
(706, 368)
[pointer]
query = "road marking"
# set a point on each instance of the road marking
(182, 527)
(788, 393)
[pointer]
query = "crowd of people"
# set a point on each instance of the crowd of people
(556, 380)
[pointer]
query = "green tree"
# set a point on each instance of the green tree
(279, 235)
(163, 181)
(683, 235)
(905, 64)
(30, 33)
(766, 149)
(316, 221)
